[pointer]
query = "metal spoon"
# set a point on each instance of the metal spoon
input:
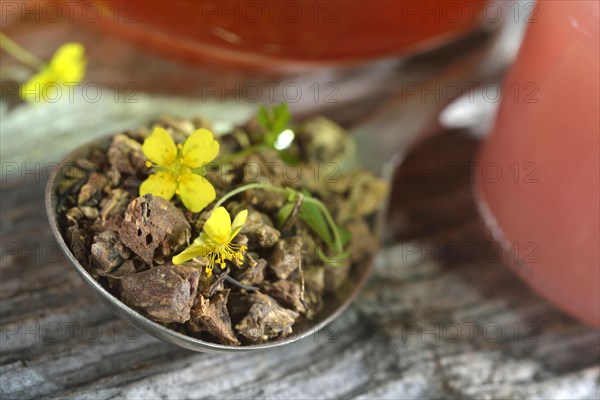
(333, 307)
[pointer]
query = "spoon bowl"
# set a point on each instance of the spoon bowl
(334, 304)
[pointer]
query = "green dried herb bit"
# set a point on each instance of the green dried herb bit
(275, 121)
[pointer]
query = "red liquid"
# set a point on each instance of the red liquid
(265, 34)
(547, 201)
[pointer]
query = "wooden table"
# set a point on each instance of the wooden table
(431, 323)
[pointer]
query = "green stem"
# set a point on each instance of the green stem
(273, 188)
(20, 53)
(250, 186)
(330, 221)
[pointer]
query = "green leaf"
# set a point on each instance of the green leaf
(288, 158)
(281, 118)
(337, 259)
(283, 214)
(263, 118)
(345, 235)
(274, 121)
(312, 216)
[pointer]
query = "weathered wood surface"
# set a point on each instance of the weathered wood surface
(399, 340)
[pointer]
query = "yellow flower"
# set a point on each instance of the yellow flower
(214, 243)
(175, 167)
(66, 68)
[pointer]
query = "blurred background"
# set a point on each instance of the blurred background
(488, 282)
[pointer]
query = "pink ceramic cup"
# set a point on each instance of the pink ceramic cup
(539, 172)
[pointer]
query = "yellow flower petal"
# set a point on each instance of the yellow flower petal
(191, 252)
(68, 63)
(195, 191)
(160, 148)
(238, 223)
(200, 148)
(161, 184)
(67, 67)
(39, 88)
(218, 226)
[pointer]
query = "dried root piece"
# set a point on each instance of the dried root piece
(91, 192)
(336, 275)
(259, 230)
(107, 252)
(314, 282)
(252, 272)
(115, 277)
(211, 316)
(322, 140)
(75, 238)
(164, 294)
(90, 213)
(310, 244)
(287, 256)
(73, 215)
(180, 128)
(363, 243)
(265, 200)
(125, 155)
(266, 319)
(365, 196)
(154, 229)
(266, 168)
(287, 293)
(112, 209)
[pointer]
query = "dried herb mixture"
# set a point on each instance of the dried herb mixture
(232, 239)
